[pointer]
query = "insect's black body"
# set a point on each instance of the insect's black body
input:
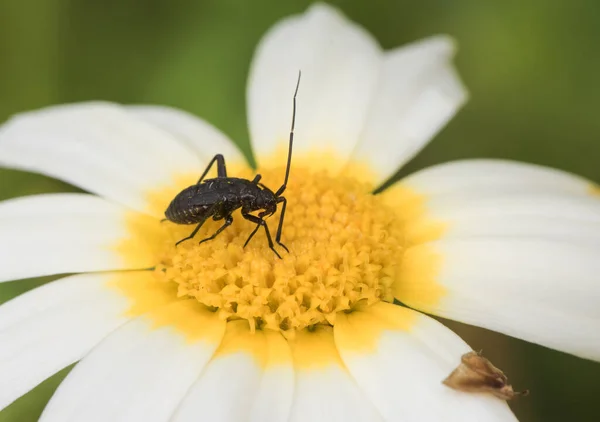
(220, 197)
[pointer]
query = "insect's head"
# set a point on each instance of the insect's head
(266, 196)
(270, 208)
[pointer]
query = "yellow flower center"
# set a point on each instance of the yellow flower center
(345, 245)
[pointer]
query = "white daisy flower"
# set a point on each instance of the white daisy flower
(218, 332)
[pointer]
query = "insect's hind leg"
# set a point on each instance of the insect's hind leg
(259, 222)
(221, 168)
(191, 236)
(228, 221)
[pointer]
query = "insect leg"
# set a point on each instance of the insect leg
(256, 179)
(280, 227)
(260, 217)
(210, 211)
(221, 169)
(228, 221)
(191, 236)
(251, 234)
(260, 222)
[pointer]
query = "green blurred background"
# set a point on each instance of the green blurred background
(532, 68)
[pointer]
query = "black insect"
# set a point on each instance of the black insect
(220, 197)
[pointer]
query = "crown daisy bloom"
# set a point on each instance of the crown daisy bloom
(221, 332)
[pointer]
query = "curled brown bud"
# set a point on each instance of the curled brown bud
(476, 374)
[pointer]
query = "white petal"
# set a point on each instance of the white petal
(516, 250)
(399, 359)
(542, 291)
(525, 226)
(100, 147)
(198, 135)
(340, 64)
(66, 233)
(510, 212)
(141, 371)
(49, 328)
(493, 176)
(476, 198)
(224, 392)
(324, 389)
(243, 382)
(417, 94)
(567, 217)
(273, 399)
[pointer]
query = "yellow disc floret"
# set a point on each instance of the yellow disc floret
(345, 246)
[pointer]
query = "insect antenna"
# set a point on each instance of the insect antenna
(289, 159)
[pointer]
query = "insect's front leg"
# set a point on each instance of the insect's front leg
(259, 222)
(253, 231)
(280, 226)
(221, 169)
